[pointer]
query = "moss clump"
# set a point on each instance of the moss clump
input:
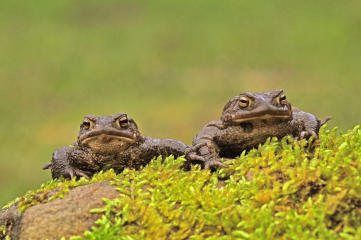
(280, 191)
(3, 231)
(283, 190)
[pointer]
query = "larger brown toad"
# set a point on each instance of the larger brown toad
(248, 120)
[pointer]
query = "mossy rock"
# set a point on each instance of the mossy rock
(283, 190)
(65, 216)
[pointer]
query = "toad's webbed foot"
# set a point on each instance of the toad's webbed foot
(195, 157)
(209, 164)
(323, 121)
(307, 134)
(47, 166)
(218, 124)
(209, 161)
(75, 172)
(67, 171)
(227, 118)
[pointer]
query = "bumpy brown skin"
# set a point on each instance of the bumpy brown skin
(247, 121)
(110, 142)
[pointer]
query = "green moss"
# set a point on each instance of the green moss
(282, 190)
(3, 233)
(11, 203)
(2, 230)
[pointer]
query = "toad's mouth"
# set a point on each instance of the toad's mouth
(107, 140)
(264, 114)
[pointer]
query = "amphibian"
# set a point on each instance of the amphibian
(248, 120)
(110, 142)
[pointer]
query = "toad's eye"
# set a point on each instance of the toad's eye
(87, 123)
(244, 102)
(282, 98)
(123, 122)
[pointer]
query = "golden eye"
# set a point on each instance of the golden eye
(244, 102)
(282, 99)
(87, 124)
(123, 122)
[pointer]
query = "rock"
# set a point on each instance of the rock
(58, 218)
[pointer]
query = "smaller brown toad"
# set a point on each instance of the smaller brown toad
(248, 120)
(110, 142)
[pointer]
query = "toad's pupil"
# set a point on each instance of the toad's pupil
(243, 102)
(123, 120)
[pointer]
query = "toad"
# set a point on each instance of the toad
(110, 142)
(248, 120)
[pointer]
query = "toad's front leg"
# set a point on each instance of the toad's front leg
(208, 153)
(60, 165)
(205, 148)
(309, 124)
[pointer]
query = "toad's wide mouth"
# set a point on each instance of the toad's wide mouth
(107, 135)
(264, 114)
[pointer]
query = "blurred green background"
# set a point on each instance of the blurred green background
(170, 65)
